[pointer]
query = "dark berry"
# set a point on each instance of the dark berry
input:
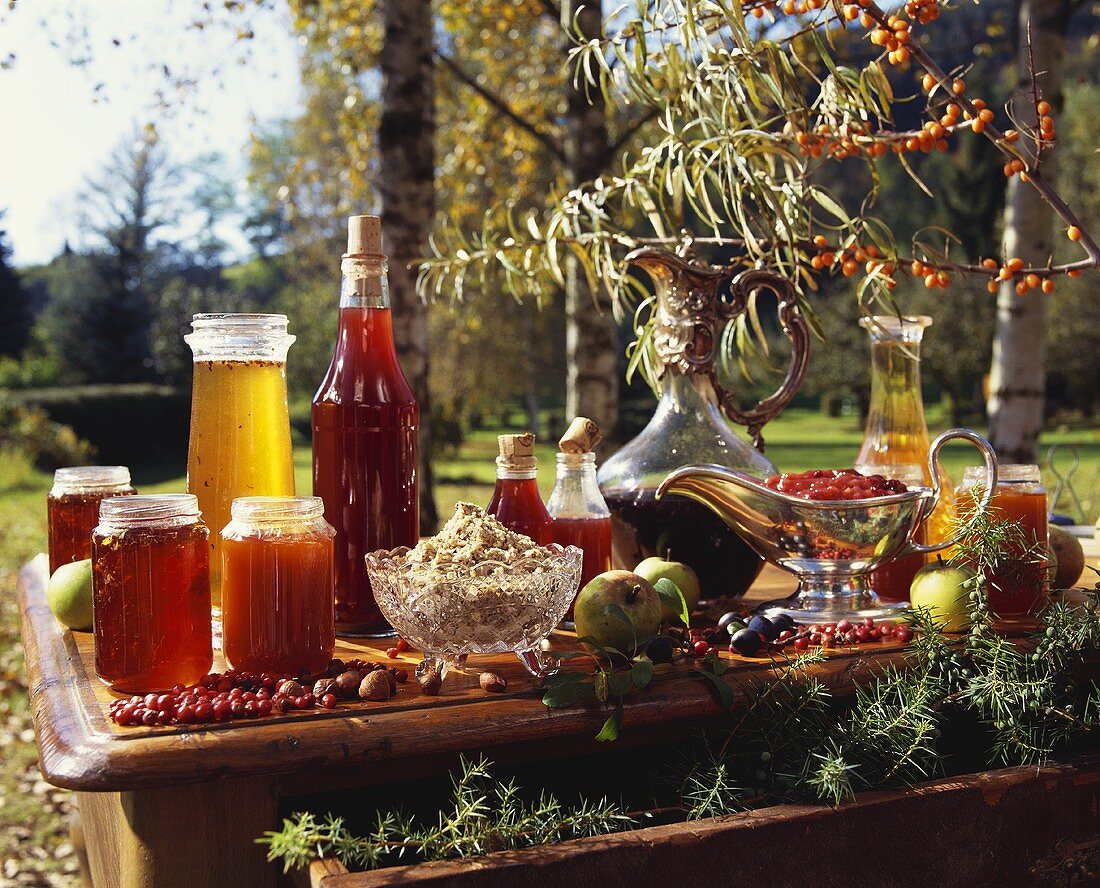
(765, 627)
(659, 649)
(745, 642)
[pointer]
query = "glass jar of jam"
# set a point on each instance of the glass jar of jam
(1018, 584)
(72, 508)
(278, 592)
(151, 593)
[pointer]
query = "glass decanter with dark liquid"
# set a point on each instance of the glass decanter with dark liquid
(695, 303)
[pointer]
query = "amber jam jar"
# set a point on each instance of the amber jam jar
(1019, 583)
(72, 508)
(151, 593)
(278, 592)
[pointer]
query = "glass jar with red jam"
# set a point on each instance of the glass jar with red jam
(278, 589)
(72, 508)
(151, 593)
(894, 579)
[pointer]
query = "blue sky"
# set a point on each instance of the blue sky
(57, 128)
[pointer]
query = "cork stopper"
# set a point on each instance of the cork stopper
(364, 235)
(581, 437)
(517, 451)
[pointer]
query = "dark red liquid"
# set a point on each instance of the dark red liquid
(72, 517)
(894, 579)
(518, 505)
(151, 607)
(365, 422)
(593, 537)
(680, 529)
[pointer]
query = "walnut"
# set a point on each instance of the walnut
(324, 686)
(430, 682)
(290, 688)
(375, 686)
(347, 682)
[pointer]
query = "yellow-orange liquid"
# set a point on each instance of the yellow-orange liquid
(240, 442)
(896, 430)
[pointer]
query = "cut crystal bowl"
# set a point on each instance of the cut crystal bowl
(452, 609)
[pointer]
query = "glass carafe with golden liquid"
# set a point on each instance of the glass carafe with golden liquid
(240, 421)
(896, 430)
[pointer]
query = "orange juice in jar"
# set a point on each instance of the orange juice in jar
(240, 421)
(1018, 585)
(278, 590)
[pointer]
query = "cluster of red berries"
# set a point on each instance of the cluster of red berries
(829, 635)
(922, 11)
(834, 484)
(224, 696)
(394, 652)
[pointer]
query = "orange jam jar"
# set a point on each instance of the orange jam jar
(1019, 583)
(278, 592)
(72, 508)
(151, 593)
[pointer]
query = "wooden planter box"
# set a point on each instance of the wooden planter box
(1005, 828)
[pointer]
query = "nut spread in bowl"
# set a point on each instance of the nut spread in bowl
(476, 587)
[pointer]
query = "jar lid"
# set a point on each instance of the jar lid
(149, 508)
(77, 478)
(1010, 473)
(239, 337)
(277, 508)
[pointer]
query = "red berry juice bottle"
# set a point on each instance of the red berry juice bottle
(516, 501)
(365, 423)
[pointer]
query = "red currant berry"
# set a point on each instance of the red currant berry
(392, 653)
(329, 701)
(801, 643)
(904, 634)
(403, 645)
(700, 648)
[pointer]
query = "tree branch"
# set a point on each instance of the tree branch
(551, 142)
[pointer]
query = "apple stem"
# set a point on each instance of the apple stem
(633, 593)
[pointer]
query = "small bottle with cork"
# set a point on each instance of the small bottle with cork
(580, 515)
(516, 500)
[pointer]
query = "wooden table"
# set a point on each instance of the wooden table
(175, 806)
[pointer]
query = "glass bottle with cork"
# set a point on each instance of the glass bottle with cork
(580, 516)
(516, 501)
(365, 421)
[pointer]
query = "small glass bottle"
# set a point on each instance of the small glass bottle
(516, 501)
(151, 593)
(893, 581)
(278, 606)
(577, 508)
(72, 508)
(240, 419)
(1018, 585)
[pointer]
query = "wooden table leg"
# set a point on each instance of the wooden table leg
(181, 836)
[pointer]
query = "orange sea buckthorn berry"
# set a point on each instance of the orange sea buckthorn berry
(851, 13)
(1073, 233)
(850, 267)
(1032, 280)
(758, 12)
(953, 110)
(958, 87)
(816, 264)
(1011, 135)
(928, 82)
(827, 257)
(941, 145)
(992, 287)
(1021, 289)
(1042, 108)
(930, 281)
(1074, 273)
(1014, 264)
(1024, 177)
(989, 263)
(1008, 170)
(916, 267)
(978, 103)
(986, 115)
(943, 279)
(1004, 274)
(866, 21)
(819, 240)
(979, 125)
(1048, 285)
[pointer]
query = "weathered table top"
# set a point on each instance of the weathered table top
(80, 748)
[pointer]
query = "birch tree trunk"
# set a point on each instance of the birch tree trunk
(1016, 391)
(406, 136)
(591, 340)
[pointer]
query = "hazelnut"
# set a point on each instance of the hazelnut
(492, 683)
(291, 688)
(375, 686)
(430, 682)
(391, 678)
(347, 682)
(324, 686)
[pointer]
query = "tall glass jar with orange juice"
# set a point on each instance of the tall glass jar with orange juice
(896, 431)
(240, 421)
(1018, 585)
(278, 604)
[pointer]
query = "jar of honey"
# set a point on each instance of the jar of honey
(278, 592)
(72, 508)
(151, 593)
(893, 580)
(1018, 585)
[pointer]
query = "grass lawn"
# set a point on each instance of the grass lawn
(33, 839)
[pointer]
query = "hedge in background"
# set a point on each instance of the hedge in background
(128, 424)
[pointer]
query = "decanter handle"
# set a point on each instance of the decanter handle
(912, 547)
(741, 287)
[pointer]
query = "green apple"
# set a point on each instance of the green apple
(69, 594)
(619, 589)
(944, 589)
(654, 569)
